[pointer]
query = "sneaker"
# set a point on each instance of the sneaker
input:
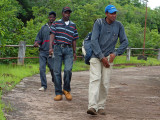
(101, 112)
(67, 95)
(58, 98)
(42, 89)
(91, 111)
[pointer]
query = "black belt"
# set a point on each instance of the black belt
(64, 45)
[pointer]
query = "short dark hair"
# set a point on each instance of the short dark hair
(52, 13)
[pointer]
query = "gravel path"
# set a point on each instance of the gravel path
(134, 94)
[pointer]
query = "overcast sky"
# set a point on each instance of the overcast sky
(153, 3)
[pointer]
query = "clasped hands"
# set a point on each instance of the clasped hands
(106, 62)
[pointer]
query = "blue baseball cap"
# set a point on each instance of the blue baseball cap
(110, 9)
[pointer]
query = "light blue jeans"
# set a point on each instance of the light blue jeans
(65, 55)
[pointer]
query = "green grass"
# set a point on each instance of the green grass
(134, 62)
(79, 66)
(10, 75)
(1, 108)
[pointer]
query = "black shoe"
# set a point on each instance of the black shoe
(101, 112)
(91, 111)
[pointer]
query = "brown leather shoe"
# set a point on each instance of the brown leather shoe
(67, 95)
(101, 112)
(91, 111)
(58, 98)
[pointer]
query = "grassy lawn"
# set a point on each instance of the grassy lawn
(134, 62)
(10, 75)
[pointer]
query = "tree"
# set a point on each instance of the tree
(123, 2)
(22, 19)
(10, 25)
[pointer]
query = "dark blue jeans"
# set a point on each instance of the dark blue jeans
(62, 54)
(44, 60)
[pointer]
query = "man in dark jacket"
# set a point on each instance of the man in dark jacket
(42, 41)
(104, 37)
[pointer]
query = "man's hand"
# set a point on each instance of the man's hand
(112, 57)
(105, 62)
(50, 51)
(36, 44)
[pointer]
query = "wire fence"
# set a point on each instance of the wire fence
(22, 50)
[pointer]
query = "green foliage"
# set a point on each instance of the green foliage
(29, 33)
(153, 38)
(26, 12)
(34, 14)
(133, 30)
(87, 16)
(123, 2)
(32, 52)
(10, 25)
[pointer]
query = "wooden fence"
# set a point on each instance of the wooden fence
(22, 49)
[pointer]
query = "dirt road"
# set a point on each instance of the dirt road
(134, 94)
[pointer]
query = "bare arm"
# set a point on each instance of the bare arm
(52, 36)
(74, 50)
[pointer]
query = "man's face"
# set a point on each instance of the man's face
(66, 15)
(111, 16)
(51, 18)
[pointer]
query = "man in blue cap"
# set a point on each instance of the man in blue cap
(105, 34)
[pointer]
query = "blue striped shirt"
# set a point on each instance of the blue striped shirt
(64, 34)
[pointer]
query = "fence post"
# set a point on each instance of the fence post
(128, 53)
(21, 52)
(158, 54)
